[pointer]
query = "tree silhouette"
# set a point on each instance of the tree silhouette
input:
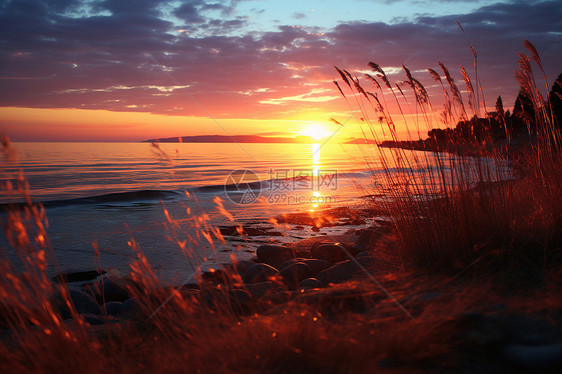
(555, 96)
(499, 107)
(523, 116)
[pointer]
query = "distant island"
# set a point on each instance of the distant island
(360, 141)
(233, 139)
(300, 139)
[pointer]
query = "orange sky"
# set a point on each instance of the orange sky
(30, 124)
(132, 70)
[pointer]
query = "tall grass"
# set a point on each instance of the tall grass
(463, 211)
(182, 330)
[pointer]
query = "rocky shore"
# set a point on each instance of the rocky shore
(489, 328)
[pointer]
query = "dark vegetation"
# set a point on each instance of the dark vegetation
(498, 128)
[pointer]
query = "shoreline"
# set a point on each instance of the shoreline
(504, 150)
(369, 284)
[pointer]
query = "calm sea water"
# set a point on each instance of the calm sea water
(110, 193)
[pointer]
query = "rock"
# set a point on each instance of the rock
(293, 274)
(336, 300)
(317, 265)
(346, 270)
(259, 273)
(368, 238)
(320, 242)
(310, 283)
(115, 289)
(216, 276)
(332, 252)
(261, 289)
(190, 286)
(240, 267)
(357, 222)
(302, 253)
(221, 276)
(191, 295)
(536, 358)
(236, 300)
(93, 319)
(113, 308)
(292, 261)
(131, 307)
(268, 293)
(82, 302)
(384, 225)
(71, 276)
(274, 255)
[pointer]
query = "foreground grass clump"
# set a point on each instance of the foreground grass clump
(191, 335)
(510, 225)
(467, 212)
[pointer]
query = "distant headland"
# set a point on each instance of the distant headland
(302, 139)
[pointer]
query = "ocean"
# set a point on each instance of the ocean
(170, 199)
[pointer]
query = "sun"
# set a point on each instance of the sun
(316, 132)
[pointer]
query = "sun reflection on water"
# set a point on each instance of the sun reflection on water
(315, 174)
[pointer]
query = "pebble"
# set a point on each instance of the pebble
(113, 308)
(363, 254)
(346, 270)
(259, 273)
(284, 264)
(274, 255)
(368, 238)
(317, 265)
(239, 267)
(115, 289)
(83, 303)
(332, 252)
(259, 290)
(293, 274)
(310, 283)
(71, 276)
(131, 307)
(331, 300)
(94, 319)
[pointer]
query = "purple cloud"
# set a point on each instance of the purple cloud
(133, 56)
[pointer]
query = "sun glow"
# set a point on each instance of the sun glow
(316, 132)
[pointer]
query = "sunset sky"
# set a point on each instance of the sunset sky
(128, 70)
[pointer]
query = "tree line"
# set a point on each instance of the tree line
(497, 126)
